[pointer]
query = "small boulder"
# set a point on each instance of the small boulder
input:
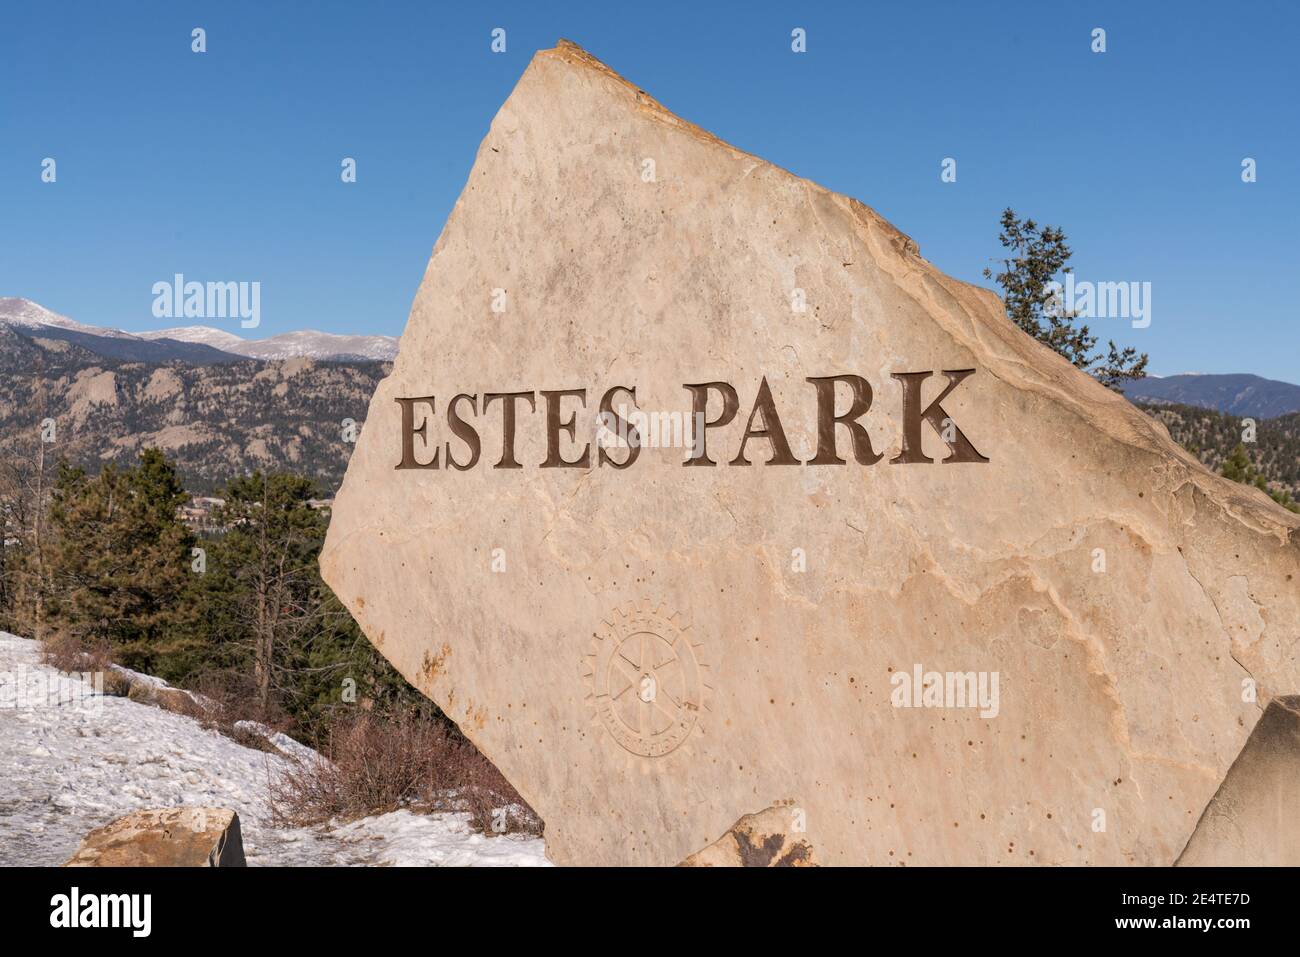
(765, 839)
(161, 696)
(165, 837)
(117, 683)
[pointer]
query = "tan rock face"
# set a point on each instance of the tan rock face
(168, 837)
(769, 838)
(1020, 626)
(92, 387)
(1254, 818)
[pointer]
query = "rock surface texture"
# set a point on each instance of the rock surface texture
(168, 837)
(651, 652)
(1254, 819)
(770, 838)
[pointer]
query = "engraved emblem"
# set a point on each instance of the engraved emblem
(648, 682)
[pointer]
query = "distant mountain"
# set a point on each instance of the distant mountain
(306, 343)
(27, 314)
(1237, 394)
(203, 335)
(216, 420)
(199, 345)
(33, 321)
(214, 411)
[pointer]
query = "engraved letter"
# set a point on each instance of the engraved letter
(508, 460)
(962, 449)
(464, 431)
(771, 430)
(554, 427)
(700, 426)
(618, 425)
(409, 432)
(826, 420)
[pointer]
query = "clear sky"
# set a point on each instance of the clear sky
(225, 165)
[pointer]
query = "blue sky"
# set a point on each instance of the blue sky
(225, 165)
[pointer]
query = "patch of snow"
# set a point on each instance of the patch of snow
(312, 344)
(72, 760)
(203, 335)
(301, 343)
(405, 839)
(291, 748)
(32, 315)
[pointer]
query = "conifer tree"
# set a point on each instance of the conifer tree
(1038, 256)
(119, 557)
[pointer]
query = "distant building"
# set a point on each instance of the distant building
(199, 513)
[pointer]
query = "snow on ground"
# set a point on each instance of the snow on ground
(287, 745)
(72, 761)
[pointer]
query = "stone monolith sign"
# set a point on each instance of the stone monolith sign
(697, 493)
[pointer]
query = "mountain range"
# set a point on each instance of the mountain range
(1236, 394)
(201, 345)
(292, 405)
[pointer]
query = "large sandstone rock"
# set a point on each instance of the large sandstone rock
(166, 837)
(650, 653)
(1254, 818)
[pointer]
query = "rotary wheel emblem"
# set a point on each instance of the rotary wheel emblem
(648, 683)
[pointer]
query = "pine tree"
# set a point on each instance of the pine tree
(1038, 256)
(1239, 468)
(262, 617)
(119, 557)
(268, 555)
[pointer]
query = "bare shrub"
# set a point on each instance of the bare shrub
(494, 806)
(230, 697)
(68, 653)
(374, 764)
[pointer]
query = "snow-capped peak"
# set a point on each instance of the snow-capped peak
(320, 345)
(305, 343)
(204, 335)
(23, 312)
